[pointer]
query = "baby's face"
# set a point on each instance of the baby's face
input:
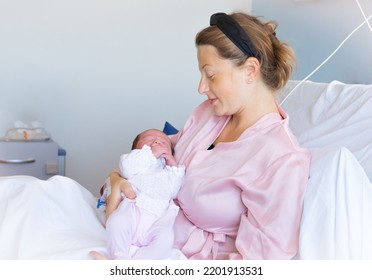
(156, 140)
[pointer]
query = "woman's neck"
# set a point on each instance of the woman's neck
(254, 111)
(247, 117)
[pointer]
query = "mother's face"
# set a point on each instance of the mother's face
(221, 81)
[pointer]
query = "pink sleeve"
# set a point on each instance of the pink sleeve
(270, 227)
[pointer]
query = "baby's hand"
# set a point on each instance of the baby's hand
(159, 151)
(164, 152)
(169, 159)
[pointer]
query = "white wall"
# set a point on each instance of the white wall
(96, 72)
(316, 27)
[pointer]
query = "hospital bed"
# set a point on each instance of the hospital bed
(57, 218)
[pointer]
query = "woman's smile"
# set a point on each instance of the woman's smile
(212, 100)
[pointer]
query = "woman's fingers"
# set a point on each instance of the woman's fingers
(119, 186)
(127, 189)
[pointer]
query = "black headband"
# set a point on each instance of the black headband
(234, 32)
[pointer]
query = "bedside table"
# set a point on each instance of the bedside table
(41, 159)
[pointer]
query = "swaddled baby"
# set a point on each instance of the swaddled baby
(146, 221)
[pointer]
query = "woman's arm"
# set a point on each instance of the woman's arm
(118, 185)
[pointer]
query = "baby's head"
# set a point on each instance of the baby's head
(153, 138)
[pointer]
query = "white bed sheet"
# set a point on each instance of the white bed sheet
(336, 221)
(52, 219)
(333, 120)
(332, 115)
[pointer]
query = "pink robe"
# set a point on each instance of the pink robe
(242, 199)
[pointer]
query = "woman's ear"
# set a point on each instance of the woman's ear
(252, 68)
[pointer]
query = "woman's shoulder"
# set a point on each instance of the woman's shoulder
(288, 143)
(275, 135)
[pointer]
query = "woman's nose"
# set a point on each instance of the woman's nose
(203, 87)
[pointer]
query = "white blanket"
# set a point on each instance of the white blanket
(53, 219)
(334, 121)
(336, 221)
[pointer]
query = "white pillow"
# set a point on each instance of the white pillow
(336, 221)
(332, 115)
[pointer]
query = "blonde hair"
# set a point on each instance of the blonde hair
(277, 59)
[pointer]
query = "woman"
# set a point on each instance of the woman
(246, 175)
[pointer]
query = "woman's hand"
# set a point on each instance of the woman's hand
(119, 185)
